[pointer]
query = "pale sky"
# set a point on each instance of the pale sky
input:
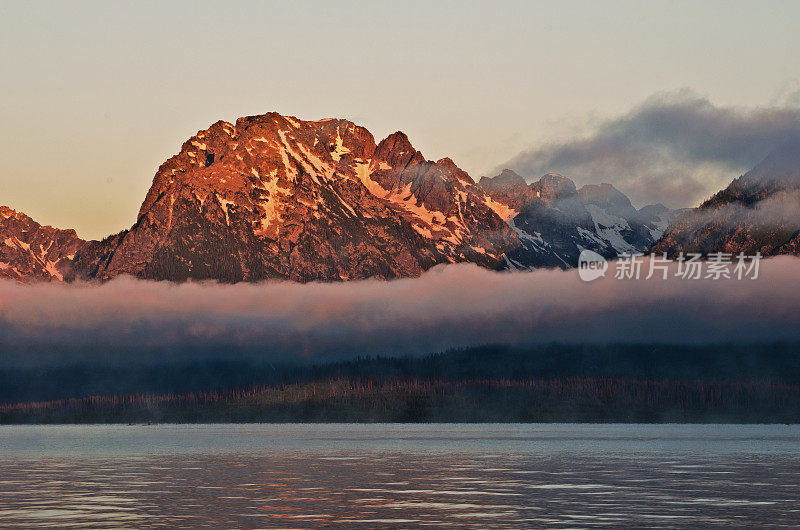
(96, 95)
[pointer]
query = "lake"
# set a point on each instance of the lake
(399, 476)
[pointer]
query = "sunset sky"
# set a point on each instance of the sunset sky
(96, 95)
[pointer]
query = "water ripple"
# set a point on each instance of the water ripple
(372, 484)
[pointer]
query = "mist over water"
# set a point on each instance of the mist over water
(129, 320)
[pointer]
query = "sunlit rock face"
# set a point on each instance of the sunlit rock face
(757, 212)
(277, 197)
(31, 252)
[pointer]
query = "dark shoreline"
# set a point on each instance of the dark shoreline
(721, 383)
(573, 400)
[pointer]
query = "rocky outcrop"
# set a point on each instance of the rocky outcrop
(555, 221)
(31, 252)
(278, 197)
(509, 189)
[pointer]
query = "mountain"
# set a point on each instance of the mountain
(757, 212)
(276, 197)
(555, 221)
(31, 251)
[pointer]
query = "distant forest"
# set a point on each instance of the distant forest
(756, 383)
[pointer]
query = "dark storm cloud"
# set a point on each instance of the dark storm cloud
(128, 320)
(676, 148)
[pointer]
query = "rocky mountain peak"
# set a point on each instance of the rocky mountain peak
(31, 252)
(507, 179)
(6, 212)
(653, 210)
(555, 222)
(509, 189)
(552, 187)
(609, 198)
(274, 196)
(396, 150)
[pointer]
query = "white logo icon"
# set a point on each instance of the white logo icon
(591, 265)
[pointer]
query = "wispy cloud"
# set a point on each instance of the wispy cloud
(676, 148)
(778, 211)
(453, 306)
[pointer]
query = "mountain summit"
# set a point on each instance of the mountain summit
(31, 251)
(555, 221)
(273, 196)
(277, 197)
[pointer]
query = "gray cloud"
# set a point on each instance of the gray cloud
(768, 225)
(778, 211)
(676, 148)
(451, 306)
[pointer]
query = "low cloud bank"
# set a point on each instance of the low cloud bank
(777, 212)
(128, 320)
(676, 148)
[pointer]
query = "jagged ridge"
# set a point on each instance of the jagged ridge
(31, 251)
(555, 221)
(275, 197)
(278, 197)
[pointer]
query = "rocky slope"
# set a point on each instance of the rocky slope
(273, 196)
(32, 252)
(277, 197)
(757, 212)
(555, 221)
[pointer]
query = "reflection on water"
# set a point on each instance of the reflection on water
(399, 476)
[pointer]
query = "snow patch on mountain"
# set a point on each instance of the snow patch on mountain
(32, 252)
(505, 212)
(610, 228)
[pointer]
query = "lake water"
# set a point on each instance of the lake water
(399, 476)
